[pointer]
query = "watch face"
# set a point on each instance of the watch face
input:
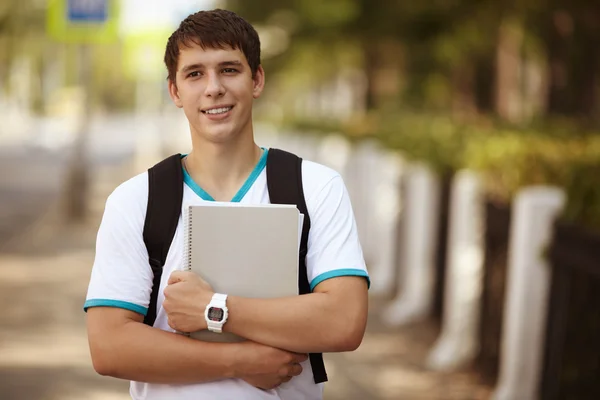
(215, 314)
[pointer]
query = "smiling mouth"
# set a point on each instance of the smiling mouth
(217, 111)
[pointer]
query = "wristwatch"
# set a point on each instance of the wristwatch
(216, 313)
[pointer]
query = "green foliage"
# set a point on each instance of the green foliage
(327, 14)
(508, 159)
(433, 138)
(511, 160)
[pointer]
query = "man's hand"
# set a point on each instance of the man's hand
(266, 367)
(186, 297)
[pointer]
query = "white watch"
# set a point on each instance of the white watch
(216, 313)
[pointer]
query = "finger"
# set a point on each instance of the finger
(285, 379)
(295, 370)
(176, 276)
(300, 357)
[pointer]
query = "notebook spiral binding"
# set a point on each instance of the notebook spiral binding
(187, 239)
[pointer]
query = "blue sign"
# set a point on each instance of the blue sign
(87, 10)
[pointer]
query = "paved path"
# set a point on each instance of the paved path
(43, 346)
(28, 187)
(389, 365)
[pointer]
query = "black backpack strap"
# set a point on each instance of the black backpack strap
(165, 194)
(284, 182)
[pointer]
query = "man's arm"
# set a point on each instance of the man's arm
(123, 347)
(331, 319)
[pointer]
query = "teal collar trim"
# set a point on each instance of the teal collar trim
(187, 179)
(258, 169)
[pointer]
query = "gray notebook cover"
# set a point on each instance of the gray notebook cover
(243, 250)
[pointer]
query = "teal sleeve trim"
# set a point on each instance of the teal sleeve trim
(262, 163)
(115, 303)
(339, 272)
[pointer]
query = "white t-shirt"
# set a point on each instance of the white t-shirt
(121, 276)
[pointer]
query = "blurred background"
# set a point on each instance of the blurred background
(467, 132)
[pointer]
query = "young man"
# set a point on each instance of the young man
(213, 62)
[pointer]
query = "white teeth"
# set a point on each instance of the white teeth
(218, 110)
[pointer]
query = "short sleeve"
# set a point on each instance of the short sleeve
(333, 245)
(121, 275)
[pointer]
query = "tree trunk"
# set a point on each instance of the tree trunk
(463, 92)
(508, 72)
(485, 77)
(572, 46)
(371, 66)
(559, 30)
(586, 69)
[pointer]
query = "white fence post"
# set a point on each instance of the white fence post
(528, 283)
(419, 244)
(334, 152)
(307, 145)
(380, 182)
(364, 172)
(384, 267)
(457, 344)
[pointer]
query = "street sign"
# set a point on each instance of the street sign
(87, 10)
(83, 21)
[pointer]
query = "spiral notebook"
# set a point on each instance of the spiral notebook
(243, 250)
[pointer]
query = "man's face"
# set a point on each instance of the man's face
(215, 88)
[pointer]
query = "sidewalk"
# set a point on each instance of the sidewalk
(43, 346)
(43, 280)
(390, 365)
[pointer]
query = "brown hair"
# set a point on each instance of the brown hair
(217, 29)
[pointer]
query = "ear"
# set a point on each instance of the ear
(259, 82)
(174, 93)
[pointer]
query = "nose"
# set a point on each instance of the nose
(214, 87)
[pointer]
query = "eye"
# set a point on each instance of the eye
(230, 70)
(193, 74)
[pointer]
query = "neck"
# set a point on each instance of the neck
(222, 168)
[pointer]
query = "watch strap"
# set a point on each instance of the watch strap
(219, 299)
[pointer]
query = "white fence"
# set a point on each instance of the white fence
(396, 204)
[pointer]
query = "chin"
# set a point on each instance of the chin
(222, 135)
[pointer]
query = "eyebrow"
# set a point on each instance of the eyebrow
(192, 67)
